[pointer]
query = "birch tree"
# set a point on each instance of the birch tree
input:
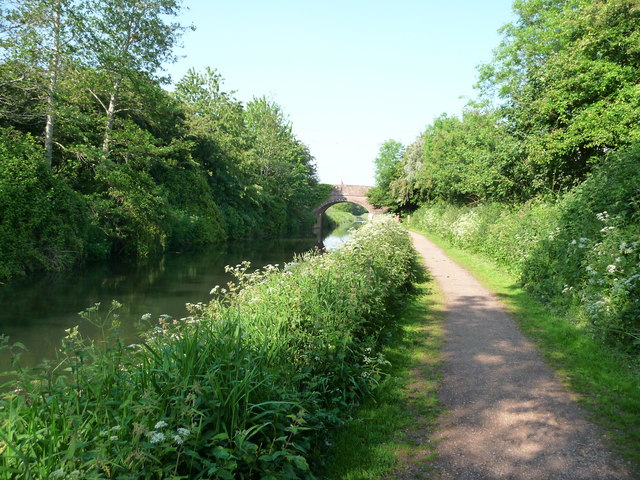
(38, 43)
(128, 38)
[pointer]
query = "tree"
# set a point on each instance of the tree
(566, 74)
(386, 170)
(126, 39)
(38, 45)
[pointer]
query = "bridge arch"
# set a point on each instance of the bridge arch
(345, 193)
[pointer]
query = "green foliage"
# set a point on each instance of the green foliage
(461, 160)
(386, 168)
(167, 170)
(566, 74)
(194, 219)
(43, 223)
(579, 254)
(591, 260)
(250, 386)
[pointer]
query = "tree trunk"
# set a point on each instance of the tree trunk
(111, 113)
(54, 66)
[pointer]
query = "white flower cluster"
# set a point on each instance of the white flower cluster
(156, 436)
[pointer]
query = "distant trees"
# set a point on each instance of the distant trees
(386, 169)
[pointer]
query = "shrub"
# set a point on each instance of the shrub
(592, 260)
(43, 223)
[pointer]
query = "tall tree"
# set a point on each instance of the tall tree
(386, 170)
(38, 44)
(127, 38)
(567, 75)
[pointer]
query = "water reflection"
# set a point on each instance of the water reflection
(37, 310)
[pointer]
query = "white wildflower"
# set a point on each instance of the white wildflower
(611, 268)
(156, 437)
(184, 432)
(178, 439)
(160, 424)
(113, 438)
(146, 316)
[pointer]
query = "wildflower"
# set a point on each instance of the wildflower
(607, 229)
(184, 432)
(178, 439)
(611, 268)
(160, 424)
(146, 316)
(57, 473)
(113, 438)
(156, 437)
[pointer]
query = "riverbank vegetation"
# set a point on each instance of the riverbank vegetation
(252, 385)
(98, 158)
(389, 432)
(540, 174)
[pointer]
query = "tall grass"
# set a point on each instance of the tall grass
(248, 386)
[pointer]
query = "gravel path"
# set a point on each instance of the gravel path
(508, 416)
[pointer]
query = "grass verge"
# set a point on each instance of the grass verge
(606, 383)
(390, 433)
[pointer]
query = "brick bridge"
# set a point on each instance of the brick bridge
(345, 193)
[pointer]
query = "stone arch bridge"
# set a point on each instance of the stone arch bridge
(345, 193)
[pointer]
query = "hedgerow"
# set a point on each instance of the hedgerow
(248, 386)
(580, 254)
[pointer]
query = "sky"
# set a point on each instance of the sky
(348, 74)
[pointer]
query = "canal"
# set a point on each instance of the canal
(37, 310)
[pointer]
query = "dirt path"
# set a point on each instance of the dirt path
(508, 416)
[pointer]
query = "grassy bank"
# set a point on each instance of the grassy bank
(249, 386)
(390, 432)
(605, 379)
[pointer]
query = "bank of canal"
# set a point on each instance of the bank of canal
(37, 310)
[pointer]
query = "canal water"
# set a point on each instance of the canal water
(36, 311)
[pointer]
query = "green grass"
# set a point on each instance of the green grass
(390, 431)
(606, 381)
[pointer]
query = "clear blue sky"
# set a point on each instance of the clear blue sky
(349, 74)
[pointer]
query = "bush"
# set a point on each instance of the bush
(248, 387)
(579, 254)
(43, 223)
(592, 259)
(194, 218)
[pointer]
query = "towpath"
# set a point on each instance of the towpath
(507, 414)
